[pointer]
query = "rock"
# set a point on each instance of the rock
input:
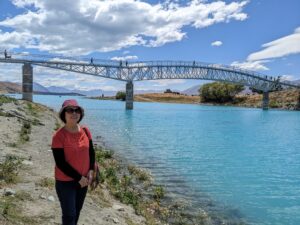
(27, 163)
(9, 192)
(115, 220)
(109, 218)
(51, 198)
(118, 207)
(43, 196)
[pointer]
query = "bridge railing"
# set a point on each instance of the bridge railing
(123, 64)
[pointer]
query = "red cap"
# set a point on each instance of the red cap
(71, 103)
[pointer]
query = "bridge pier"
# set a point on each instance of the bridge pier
(27, 82)
(265, 100)
(129, 95)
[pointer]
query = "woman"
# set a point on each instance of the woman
(74, 156)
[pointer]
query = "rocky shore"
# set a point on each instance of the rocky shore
(126, 194)
(27, 194)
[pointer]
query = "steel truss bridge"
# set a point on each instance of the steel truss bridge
(130, 72)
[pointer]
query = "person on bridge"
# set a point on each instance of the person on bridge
(92, 60)
(5, 54)
(74, 156)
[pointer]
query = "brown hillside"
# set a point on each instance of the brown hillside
(287, 99)
(8, 87)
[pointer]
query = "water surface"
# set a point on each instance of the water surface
(246, 161)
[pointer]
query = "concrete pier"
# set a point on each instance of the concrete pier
(129, 95)
(27, 86)
(265, 100)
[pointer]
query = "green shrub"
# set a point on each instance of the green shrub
(11, 209)
(6, 99)
(140, 174)
(34, 109)
(9, 169)
(46, 182)
(159, 193)
(219, 92)
(102, 155)
(121, 95)
(274, 104)
(126, 181)
(25, 132)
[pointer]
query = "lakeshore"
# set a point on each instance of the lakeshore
(126, 195)
(27, 194)
(286, 99)
(128, 134)
(27, 186)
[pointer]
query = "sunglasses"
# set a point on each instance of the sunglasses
(72, 110)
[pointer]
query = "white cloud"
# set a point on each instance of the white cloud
(279, 48)
(216, 43)
(82, 27)
(124, 58)
(287, 77)
(248, 65)
(11, 73)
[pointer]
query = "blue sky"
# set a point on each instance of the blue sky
(260, 35)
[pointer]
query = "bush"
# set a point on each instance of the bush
(159, 193)
(46, 182)
(6, 99)
(25, 132)
(9, 169)
(219, 92)
(121, 95)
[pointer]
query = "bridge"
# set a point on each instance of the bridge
(131, 72)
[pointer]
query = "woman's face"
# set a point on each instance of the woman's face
(72, 115)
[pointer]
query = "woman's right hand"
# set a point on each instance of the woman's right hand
(83, 182)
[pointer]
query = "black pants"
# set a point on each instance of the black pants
(71, 197)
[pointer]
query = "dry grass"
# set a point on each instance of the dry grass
(168, 98)
(46, 182)
(286, 99)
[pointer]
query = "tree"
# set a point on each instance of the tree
(219, 92)
(121, 95)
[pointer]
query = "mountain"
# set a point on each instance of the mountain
(58, 89)
(39, 88)
(192, 90)
(297, 82)
(9, 87)
(95, 92)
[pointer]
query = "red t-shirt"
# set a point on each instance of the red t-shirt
(76, 151)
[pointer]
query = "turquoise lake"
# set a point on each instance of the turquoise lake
(245, 162)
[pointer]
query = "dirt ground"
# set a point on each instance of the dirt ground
(41, 203)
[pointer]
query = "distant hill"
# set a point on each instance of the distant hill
(192, 90)
(58, 89)
(296, 82)
(96, 92)
(9, 87)
(39, 88)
